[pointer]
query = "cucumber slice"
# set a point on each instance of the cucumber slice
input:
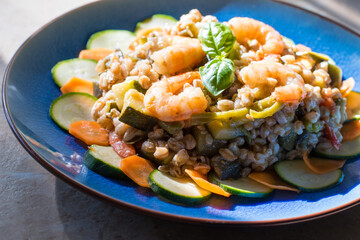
(104, 161)
(63, 71)
(111, 39)
(133, 112)
(245, 187)
(72, 107)
(180, 190)
(349, 149)
(353, 106)
(157, 20)
(298, 174)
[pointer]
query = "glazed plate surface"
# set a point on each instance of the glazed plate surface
(28, 91)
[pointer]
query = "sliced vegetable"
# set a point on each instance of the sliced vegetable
(298, 174)
(137, 169)
(180, 190)
(336, 75)
(201, 180)
(272, 180)
(95, 53)
(63, 71)
(157, 20)
(204, 145)
(266, 112)
(244, 187)
(111, 39)
(349, 149)
(334, 71)
(120, 147)
(353, 106)
(225, 169)
(223, 131)
(351, 130)
(133, 112)
(232, 115)
(171, 127)
(71, 107)
(104, 161)
(322, 166)
(319, 57)
(120, 90)
(347, 86)
(89, 132)
(77, 85)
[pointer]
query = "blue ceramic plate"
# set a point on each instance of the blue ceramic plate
(28, 91)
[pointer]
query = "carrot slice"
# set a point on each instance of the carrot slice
(137, 169)
(89, 132)
(95, 53)
(201, 180)
(77, 85)
(322, 166)
(120, 147)
(351, 130)
(271, 179)
(347, 86)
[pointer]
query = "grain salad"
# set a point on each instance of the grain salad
(297, 126)
(217, 102)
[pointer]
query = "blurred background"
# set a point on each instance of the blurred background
(36, 205)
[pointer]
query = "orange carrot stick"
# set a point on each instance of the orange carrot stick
(347, 86)
(77, 85)
(322, 166)
(351, 130)
(201, 180)
(95, 53)
(271, 179)
(137, 169)
(89, 132)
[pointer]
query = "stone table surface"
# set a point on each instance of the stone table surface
(36, 205)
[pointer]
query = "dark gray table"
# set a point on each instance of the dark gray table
(36, 205)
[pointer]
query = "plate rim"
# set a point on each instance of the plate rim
(138, 209)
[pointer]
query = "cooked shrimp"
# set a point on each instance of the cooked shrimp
(247, 29)
(182, 53)
(274, 79)
(164, 101)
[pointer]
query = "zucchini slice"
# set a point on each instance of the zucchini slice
(120, 90)
(104, 161)
(72, 107)
(133, 112)
(222, 130)
(245, 187)
(203, 147)
(298, 174)
(353, 106)
(157, 20)
(111, 39)
(63, 71)
(180, 190)
(349, 149)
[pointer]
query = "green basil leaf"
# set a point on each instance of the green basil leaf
(216, 39)
(217, 75)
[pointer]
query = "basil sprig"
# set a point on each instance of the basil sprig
(217, 75)
(217, 41)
